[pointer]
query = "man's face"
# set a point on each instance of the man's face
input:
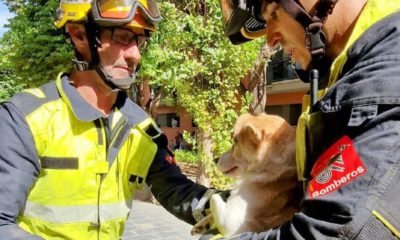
(284, 30)
(119, 52)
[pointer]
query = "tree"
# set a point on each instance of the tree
(190, 55)
(257, 84)
(33, 51)
(8, 85)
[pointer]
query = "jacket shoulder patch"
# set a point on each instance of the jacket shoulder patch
(336, 167)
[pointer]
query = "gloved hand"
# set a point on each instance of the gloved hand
(207, 223)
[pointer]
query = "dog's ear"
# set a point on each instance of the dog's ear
(251, 132)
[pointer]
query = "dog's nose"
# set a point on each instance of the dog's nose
(216, 160)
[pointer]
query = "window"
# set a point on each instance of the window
(194, 124)
(280, 68)
(290, 113)
(168, 120)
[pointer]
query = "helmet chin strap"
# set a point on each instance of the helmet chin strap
(116, 84)
(316, 41)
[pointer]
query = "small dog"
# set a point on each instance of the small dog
(267, 191)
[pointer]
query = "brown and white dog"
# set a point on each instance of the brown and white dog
(267, 191)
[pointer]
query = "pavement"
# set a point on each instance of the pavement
(149, 221)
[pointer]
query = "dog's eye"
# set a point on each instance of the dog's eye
(235, 140)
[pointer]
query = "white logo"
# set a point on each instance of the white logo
(335, 163)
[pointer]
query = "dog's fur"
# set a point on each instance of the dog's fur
(263, 159)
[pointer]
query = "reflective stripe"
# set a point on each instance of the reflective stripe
(59, 162)
(70, 214)
(154, 130)
(387, 223)
(36, 92)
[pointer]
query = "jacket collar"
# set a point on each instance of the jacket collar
(78, 105)
(85, 112)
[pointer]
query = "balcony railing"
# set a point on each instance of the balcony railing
(280, 69)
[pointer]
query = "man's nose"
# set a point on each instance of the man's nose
(274, 41)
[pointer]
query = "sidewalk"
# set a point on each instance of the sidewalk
(148, 221)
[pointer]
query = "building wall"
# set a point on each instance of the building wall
(185, 122)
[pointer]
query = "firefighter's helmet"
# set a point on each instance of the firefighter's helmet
(108, 13)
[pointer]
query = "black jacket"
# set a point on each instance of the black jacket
(364, 105)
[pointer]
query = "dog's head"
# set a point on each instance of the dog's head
(261, 142)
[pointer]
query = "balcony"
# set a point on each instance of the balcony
(281, 76)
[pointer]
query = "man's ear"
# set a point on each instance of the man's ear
(77, 34)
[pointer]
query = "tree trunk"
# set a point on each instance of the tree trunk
(146, 97)
(205, 149)
(257, 84)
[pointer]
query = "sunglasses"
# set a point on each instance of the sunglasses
(126, 37)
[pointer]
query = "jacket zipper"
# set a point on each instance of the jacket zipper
(104, 135)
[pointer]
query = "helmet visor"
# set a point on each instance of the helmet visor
(108, 13)
(241, 21)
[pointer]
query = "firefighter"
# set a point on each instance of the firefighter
(348, 135)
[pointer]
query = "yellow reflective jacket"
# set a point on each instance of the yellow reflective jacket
(90, 167)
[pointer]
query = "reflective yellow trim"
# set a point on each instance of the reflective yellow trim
(253, 35)
(301, 129)
(76, 214)
(301, 152)
(144, 3)
(36, 92)
(373, 11)
(387, 224)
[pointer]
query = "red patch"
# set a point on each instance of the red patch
(336, 167)
(170, 157)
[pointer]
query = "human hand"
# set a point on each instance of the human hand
(207, 226)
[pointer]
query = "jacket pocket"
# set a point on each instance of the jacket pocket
(360, 114)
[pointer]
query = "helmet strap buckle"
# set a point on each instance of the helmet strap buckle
(81, 65)
(316, 40)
